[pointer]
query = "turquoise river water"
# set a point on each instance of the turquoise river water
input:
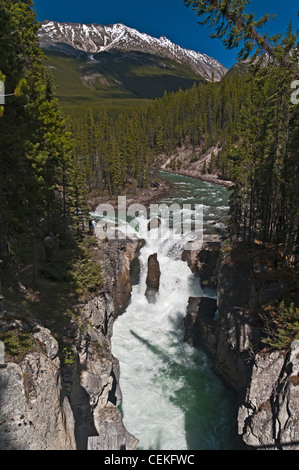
(172, 400)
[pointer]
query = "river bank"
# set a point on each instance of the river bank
(194, 162)
(144, 197)
(182, 162)
(214, 179)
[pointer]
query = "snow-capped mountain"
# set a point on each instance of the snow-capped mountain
(95, 38)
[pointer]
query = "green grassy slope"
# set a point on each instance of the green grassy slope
(120, 81)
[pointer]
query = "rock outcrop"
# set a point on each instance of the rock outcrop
(266, 382)
(35, 415)
(92, 381)
(153, 278)
(269, 412)
(121, 268)
(59, 395)
(242, 280)
(200, 324)
(205, 262)
(154, 223)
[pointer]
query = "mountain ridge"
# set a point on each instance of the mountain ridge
(95, 39)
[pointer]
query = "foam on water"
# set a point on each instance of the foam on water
(146, 341)
(155, 363)
(171, 398)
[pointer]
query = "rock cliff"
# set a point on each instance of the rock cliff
(153, 278)
(35, 415)
(205, 262)
(231, 330)
(65, 395)
(268, 414)
(58, 396)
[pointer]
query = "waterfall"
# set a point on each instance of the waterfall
(171, 398)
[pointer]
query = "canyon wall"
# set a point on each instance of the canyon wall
(61, 395)
(231, 331)
(65, 396)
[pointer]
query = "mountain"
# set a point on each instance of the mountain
(95, 38)
(117, 64)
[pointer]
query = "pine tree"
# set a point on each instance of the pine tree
(35, 141)
(264, 158)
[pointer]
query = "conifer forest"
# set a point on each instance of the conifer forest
(58, 163)
(51, 162)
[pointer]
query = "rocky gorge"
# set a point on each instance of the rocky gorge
(66, 396)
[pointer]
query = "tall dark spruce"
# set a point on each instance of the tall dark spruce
(36, 150)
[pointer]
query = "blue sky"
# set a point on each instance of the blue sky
(168, 18)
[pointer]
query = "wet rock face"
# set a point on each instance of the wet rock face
(124, 269)
(153, 278)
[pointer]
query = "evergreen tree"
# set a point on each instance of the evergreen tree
(264, 158)
(35, 144)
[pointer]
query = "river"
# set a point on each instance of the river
(172, 400)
